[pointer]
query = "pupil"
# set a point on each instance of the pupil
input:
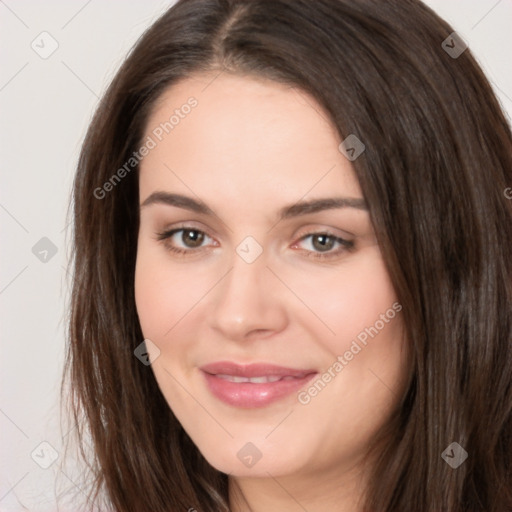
(323, 245)
(196, 240)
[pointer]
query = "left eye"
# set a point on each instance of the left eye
(322, 243)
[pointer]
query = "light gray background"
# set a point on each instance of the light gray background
(46, 105)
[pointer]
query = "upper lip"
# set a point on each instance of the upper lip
(253, 370)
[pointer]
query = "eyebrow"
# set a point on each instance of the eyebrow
(294, 210)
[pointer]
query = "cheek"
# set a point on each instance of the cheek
(163, 292)
(152, 298)
(348, 300)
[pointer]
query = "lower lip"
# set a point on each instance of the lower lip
(247, 395)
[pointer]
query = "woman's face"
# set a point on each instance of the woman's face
(278, 276)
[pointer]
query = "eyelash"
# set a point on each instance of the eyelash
(346, 244)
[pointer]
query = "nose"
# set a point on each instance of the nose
(249, 301)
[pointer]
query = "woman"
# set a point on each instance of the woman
(292, 266)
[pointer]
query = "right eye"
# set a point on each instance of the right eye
(190, 238)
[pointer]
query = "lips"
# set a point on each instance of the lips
(253, 385)
(254, 380)
(253, 370)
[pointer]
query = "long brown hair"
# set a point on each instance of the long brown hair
(437, 163)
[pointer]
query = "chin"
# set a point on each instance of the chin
(247, 460)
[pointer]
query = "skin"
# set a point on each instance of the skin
(249, 148)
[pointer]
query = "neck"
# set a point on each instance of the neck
(314, 492)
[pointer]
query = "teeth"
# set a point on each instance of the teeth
(252, 380)
(262, 380)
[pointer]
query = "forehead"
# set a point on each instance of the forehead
(235, 135)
